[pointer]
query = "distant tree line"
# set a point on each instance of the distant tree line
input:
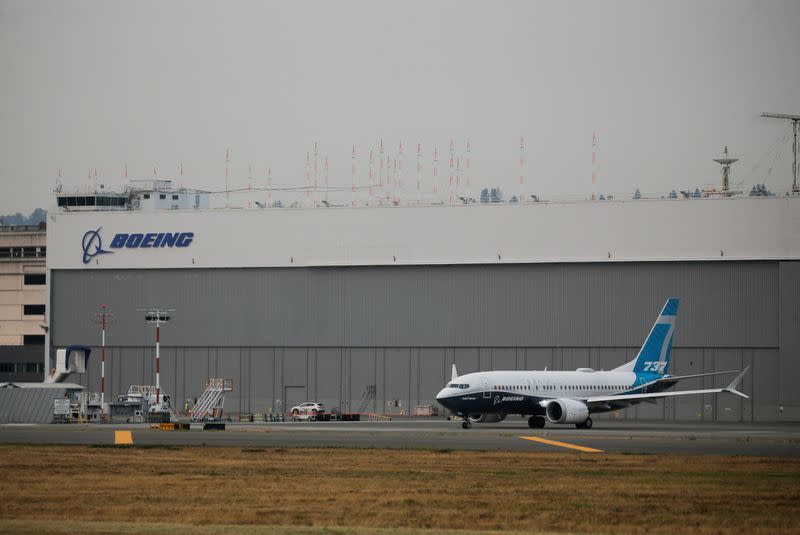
(37, 216)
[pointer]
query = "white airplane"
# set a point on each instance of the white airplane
(563, 397)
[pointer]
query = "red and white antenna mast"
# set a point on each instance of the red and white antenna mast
(103, 318)
(158, 316)
(595, 149)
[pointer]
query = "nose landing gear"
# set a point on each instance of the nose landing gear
(466, 424)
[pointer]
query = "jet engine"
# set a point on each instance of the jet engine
(487, 418)
(566, 411)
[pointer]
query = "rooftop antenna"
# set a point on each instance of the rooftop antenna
(103, 318)
(435, 172)
(308, 178)
(249, 182)
(380, 173)
(451, 176)
(325, 170)
(595, 148)
(371, 176)
(400, 169)
(521, 169)
(316, 157)
(467, 163)
(419, 173)
(795, 126)
(269, 187)
(227, 176)
(726, 162)
(353, 177)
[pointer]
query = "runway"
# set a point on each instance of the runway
(511, 435)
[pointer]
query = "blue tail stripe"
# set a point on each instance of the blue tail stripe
(654, 357)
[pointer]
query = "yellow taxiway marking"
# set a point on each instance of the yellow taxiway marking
(123, 438)
(562, 444)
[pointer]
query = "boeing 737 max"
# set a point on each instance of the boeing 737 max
(562, 397)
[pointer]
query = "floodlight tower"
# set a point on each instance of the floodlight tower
(158, 316)
(104, 318)
(795, 126)
(725, 162)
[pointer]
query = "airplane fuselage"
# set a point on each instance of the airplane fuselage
(527, 392)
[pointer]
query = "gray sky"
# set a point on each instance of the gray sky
(95, 84)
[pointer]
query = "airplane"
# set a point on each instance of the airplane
(566, 397)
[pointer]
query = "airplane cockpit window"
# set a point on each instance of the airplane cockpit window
(461, 386)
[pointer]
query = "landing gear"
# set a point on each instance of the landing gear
(466, 424)
(587, 424)
(536, 422)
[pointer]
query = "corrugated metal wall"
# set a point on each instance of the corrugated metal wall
(286, 335)
(722, 305)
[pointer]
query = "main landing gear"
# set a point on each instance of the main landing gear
(466, 424)
(587, 424)
(536, 422)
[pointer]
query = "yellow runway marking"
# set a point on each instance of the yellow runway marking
(123, 438)
(562, 444)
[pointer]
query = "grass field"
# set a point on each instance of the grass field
(81, 489)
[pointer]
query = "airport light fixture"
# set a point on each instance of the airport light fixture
(158, 316)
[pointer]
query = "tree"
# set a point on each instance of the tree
(485, 195)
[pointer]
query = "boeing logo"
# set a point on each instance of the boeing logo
(93, 245)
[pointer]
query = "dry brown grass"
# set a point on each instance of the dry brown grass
(555, 492)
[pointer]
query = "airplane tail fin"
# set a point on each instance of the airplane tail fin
(654, 356)
(455, 373)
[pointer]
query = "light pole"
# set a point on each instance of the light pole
(158, 316)
(103, 318)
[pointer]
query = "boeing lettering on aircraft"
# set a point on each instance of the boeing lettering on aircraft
(564, 397)
(92, 242)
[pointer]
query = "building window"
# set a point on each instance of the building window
(146, 195)
(5, 252)
(33, 310)
(35, 279)
(174, 197)
(8, 367)
(33, 340)
(34, 367)
(162, 196)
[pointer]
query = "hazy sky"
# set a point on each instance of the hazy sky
(665, 85)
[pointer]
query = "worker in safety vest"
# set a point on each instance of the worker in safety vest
(186, 406)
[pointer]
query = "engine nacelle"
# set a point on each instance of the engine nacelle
(487, 418)
(566, 411)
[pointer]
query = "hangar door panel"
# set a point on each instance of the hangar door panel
(687, 361)
(728, 407)
(397, 374)
(432, 376)
(362, 380)
(329, 375)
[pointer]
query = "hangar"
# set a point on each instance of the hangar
(368, 307)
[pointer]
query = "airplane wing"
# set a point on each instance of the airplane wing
(731, 388)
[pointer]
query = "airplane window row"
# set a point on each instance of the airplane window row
(549, 387)
(461, 386)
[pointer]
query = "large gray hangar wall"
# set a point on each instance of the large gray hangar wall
(286, 334)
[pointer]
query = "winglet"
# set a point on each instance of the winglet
(455, 373)
(732, 387)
